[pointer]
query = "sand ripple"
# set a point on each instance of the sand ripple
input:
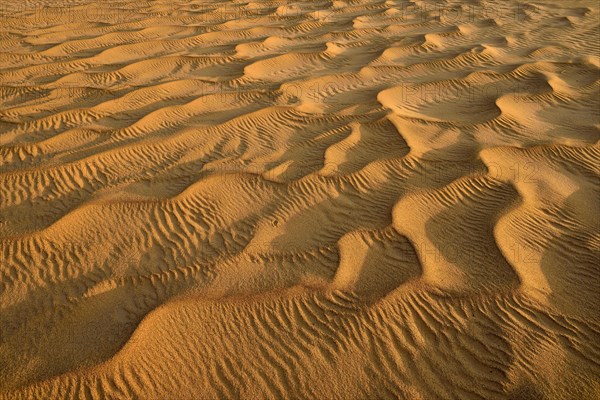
(311, 199)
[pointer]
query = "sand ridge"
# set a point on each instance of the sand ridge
(299, 199)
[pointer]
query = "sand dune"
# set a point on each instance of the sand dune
(350, 199)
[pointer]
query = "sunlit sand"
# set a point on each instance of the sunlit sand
(299, 200)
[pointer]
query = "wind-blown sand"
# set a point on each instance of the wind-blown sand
(299, 200)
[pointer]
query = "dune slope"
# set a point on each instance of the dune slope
(342, 199)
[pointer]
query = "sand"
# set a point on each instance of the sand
(349, 199)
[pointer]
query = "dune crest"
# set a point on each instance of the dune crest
(299, 199)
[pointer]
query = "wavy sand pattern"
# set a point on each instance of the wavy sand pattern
(350, 199)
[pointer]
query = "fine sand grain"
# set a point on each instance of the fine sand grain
(349, 199)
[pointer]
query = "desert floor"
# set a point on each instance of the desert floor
(359, 199)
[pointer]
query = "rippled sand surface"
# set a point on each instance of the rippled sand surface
(357, 199)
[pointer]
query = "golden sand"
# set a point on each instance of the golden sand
(359, 199)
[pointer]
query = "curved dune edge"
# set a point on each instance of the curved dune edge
(338, 200)
(287, 342)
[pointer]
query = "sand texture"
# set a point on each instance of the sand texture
(349, 199)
